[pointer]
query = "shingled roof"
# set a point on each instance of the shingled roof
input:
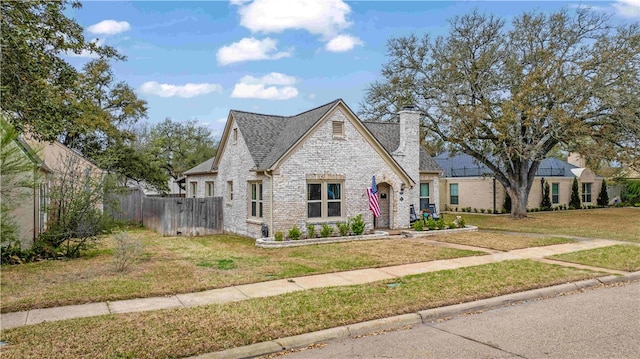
(204, 167)
(388, 134)
(269, 137)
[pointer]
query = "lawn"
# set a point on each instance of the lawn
(501, 241)
(171, 265)
(191, 331)
(624, 257)
(609, 223)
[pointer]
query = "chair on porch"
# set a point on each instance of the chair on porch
(412, 214)
(433, 212)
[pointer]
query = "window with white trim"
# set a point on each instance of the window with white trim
(209, 191)
(453, 193)
(586, 193)
(255, 199)
(229, 191)
(555, 193)
(193, 188)
(424, 195)
(324, 199)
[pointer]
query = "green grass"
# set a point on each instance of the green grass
(621, 257)
(171, 265)
(501, 241)
(609, 223)
(191, 331)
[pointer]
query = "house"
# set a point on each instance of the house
(468, 183)
(26, 194)
(53, 159)
(314, 168)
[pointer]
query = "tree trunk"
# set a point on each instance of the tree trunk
(519, 198)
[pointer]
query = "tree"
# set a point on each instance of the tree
(37, 83)
(17, 172)
(574, 201)
(179, 146)
(508, 95)
(603, 197)
(545, 204)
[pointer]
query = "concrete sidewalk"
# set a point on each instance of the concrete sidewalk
(277, 287)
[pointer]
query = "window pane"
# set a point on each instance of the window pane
(253, 209)
(260, 209)
(554, 188)
(454, 199)
(424, 190)
(333, 191)
(424, 203)
(314, 210)
(333, 209)
(253, 191)
(314, 191)
(453, 189)
(260, 191)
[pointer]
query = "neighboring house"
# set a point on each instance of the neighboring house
(468, 183)
(314, 168)
(30, 213)
(58, 159)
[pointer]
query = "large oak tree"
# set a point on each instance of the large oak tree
(507, 95)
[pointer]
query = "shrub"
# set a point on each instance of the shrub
(326, 231)
(545, 204)
(311, 231)
(431, 224)
(603, 197)
(461, 223)
(343, 228)
(482, 210)
(452, 225)
(440, 224)
(127, 250)
(475, 210)
(418, 226)
(575, 195)
(294, 233)
(357, 225)
(279, 236)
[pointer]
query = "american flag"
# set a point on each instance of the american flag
(372, 193)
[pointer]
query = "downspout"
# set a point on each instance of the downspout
(270, 176)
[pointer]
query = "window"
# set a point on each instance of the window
(229, 191)
(324, 200)
(555, 193)
(338, 129)
(424, 196)
(209, 189)
(255, 202)
(586, 192)
(193, 188)
(453, 193)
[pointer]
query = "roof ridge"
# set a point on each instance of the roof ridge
(291, 116)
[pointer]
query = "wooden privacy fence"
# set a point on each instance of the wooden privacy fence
(125, 206)
(183, 216)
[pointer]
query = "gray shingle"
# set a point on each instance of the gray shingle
(204, 167)
(269, 137)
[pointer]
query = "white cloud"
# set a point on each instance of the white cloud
(628, 8)
(249, 49)
(109, 27)
(222, 120)
(342, 43)
(320, 17)
(274, 86)
(186, 91)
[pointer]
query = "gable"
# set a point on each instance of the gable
(342, 112)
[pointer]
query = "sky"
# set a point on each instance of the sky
(198, 60)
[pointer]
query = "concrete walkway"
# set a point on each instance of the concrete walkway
(277, 287)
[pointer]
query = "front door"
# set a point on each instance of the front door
(384, 199)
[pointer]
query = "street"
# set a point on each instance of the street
(599, 323)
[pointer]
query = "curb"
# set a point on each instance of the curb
(411, 319)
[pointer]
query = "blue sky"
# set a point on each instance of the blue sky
(197, 60)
